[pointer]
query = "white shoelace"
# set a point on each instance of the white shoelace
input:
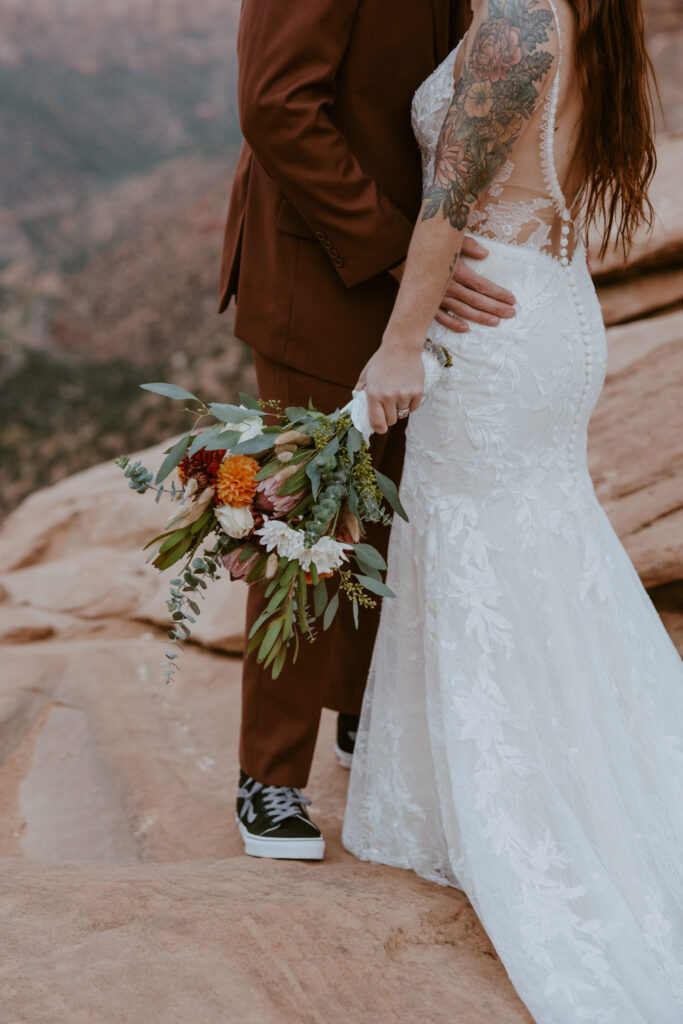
(279, 801)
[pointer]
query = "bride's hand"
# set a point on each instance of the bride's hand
(393, 381)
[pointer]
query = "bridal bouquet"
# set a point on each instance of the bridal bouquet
(277, 497)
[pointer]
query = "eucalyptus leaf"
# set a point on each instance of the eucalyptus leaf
(224, 440)
(175, 455)
(390, 492)
(169, 390)
(313, 474)
(248, 402)
(369, 555)
(202, 439)
(254, 445)
(354, 605)
(332, 446)
(369, 570)
(228, 413)
(375, 586)
(295, 413)
(354, 441)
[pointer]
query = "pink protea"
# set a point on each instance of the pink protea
(267, 498)
(238, 570)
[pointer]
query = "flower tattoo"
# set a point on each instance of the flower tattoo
(495, 95)
(496, 50)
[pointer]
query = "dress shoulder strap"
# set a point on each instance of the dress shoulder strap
(548, 132)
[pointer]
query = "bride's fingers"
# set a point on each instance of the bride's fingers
(390, 410)
(453, 323)
(378, 419)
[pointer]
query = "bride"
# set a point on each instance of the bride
(520, 735)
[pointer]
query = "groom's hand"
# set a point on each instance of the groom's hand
(470, 296)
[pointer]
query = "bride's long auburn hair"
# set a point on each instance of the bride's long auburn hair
(616, 145)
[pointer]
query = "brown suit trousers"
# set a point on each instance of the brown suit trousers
(323, 203)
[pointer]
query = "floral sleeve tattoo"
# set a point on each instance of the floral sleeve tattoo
(494, 96)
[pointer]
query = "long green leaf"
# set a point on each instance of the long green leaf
(263, 617)
(319, 598)
(390, 492)
(174, 456)
(174, 539)
(169, 390)
(270, 638)
(256, 639)
(279, 661)
(257, 569)
(301, 601)
(376, 586)
(200, 523)
(331, 611)
(172, 556)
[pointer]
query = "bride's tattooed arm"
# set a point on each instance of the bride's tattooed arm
(509, 55)
(497, 92)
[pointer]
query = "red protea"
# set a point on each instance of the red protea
(203, 466)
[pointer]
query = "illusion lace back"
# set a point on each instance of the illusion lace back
(520, 735)
(525, 203)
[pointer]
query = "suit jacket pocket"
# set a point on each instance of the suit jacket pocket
(290, 222)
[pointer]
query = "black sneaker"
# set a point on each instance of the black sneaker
(347, 727)
(274, 823)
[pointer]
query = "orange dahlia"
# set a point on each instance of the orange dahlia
(235, 480)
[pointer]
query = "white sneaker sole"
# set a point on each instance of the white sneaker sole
(281, 849)
(345, 759)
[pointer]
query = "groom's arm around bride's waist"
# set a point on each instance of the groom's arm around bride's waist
(289, 58)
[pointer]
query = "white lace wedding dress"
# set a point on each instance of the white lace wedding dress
(520, 735)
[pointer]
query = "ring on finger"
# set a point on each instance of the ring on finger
(402, 413)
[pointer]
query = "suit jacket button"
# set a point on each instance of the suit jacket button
(338, 261)
(319, 235)
(327, 243)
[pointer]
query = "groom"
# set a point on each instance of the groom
(325, 195)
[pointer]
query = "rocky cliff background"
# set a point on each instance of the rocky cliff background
(124, 893)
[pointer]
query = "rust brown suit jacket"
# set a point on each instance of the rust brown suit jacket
(328, 183)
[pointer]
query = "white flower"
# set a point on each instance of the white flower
(236, 521)
(193, 504)
(327, 554)
(250, 426)
(279, 537)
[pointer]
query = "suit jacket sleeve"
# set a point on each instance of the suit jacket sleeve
(289, 52)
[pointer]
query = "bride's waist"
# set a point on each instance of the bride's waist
(518, 257)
